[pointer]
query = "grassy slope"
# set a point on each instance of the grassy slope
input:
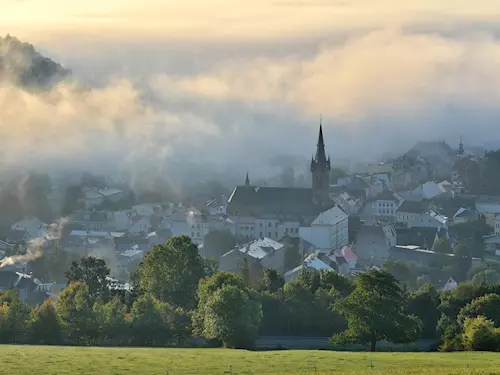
(37, 360)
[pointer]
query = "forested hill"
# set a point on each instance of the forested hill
(22, 65)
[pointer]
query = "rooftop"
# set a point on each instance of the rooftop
(260, 248)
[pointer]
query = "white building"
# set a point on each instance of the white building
(386, 205)
(140, 225)
(429, 219)
(328, 231)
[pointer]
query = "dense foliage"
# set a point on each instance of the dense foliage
(177, 295)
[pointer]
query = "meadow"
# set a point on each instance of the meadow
(44, 360)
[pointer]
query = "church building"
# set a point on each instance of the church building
(299, 204)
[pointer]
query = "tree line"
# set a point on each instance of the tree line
(176, 296)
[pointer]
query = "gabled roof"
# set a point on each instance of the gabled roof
(414, 207)
(387, 195)
(418, 236)
(330, 217)
(260, 248)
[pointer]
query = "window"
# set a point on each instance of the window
(286, 230)
(260, 234)
(269, 225)
(296, 230)
(192, 234)
(276, 234)
(260, 225)
(276, 224)
(198, 234)
(269, 234)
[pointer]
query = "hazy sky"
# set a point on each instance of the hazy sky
(239, 81)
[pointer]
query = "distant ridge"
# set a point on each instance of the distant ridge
(22, 65)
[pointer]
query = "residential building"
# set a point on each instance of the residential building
(431, 190)
(385, 205)
(409, 212)
(423, 257)
(260, 254)
(316, 262)
(350, 204)
(464, 215)
(429, 219)
(373, 243)
(329, 230)
(497, 226)
(140, 226)
(91, 220)
(489, 208)
(94, 196)
(34, 227)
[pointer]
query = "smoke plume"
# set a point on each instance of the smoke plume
(36, 246)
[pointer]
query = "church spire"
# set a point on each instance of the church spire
(320, 149)
(247, 180)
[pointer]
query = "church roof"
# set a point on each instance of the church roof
(254, 201)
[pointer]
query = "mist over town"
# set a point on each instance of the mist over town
(277, 175)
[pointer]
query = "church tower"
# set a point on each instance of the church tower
(320, 169)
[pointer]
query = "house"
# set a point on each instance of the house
(122, 220)
(215, 207)
(329, 230)
(34, 227)
(423, 237)
(346, 259)
(147, 209)
(350, 204)
(260, 254)
(492, 244)
(314, 262)
(94, 197)
(373, 243)
(305, 247)
(489, 207)
(410, 211)
(423, 257)
(90, 220)
(24, 284)
(451, 284)
(140, 225)
(431, 190)
(386, 204)
(464, 215)
(17, 237)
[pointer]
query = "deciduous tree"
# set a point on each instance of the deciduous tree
(376, 310)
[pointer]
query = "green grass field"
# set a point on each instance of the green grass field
(38, 360)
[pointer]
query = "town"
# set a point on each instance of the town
(428, 216)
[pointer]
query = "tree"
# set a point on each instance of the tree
(72, 199)
(424, 303)
(292, 255)
(218, 242)
(43, 326)
(401, 271)
(206, 288)
(480, 334)
(271, 281)
(232, 317)
(487, 306)
(462, 262)
(94, 273)
(149, 321)
(376, 310)
(486, 276)
(443, 246)
(74, 308)
(112, 321)
(13, 315)
(171, 272)
(334, 280)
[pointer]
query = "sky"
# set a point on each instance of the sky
(236, 83)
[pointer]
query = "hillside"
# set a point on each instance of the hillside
(22, 65)
(23, 360)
